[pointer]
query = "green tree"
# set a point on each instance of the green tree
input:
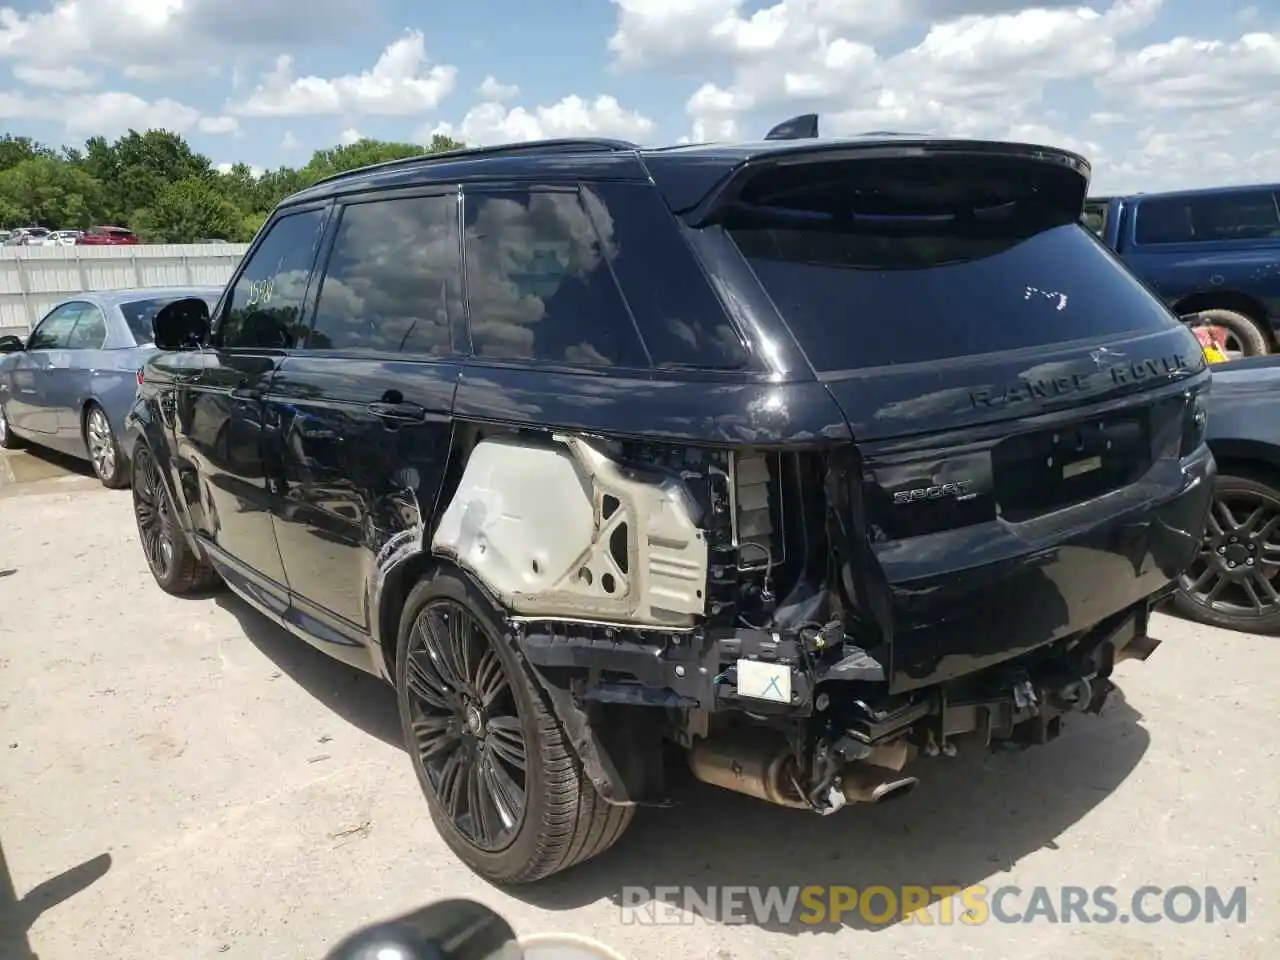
(187, 210)
(14, 150)
(46, 191)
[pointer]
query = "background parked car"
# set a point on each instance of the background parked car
(107, 236)
(1209, 254)
(70, 385)
(1235, 581)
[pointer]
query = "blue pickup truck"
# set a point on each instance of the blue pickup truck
(1212, 255)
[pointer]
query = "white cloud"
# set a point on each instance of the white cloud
(350, 136)
(151, 38)
(54, 77)
(489, 123)
(403, 82)
(289, 142)
(254, 171)
(492, 90)
(218, 125)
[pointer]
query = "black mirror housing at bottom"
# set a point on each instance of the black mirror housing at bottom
(10, 344)
(182, 324)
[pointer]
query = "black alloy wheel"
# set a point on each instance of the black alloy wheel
(174, 565)
(466, 725)
(1234, 582)
(504, 784)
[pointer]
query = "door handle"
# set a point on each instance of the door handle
(246, 393)
(309, 430)
(402, 412)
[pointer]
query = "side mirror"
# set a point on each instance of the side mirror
(11, 344)
(182, 324)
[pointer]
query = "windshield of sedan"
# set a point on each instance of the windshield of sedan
(140, 314)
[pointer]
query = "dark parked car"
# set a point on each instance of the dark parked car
(69, 386)
(806, 455)
(1235, 581)
(1209, 254)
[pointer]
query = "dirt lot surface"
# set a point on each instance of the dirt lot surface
(180, 779)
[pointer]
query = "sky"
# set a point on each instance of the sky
(1155, 93)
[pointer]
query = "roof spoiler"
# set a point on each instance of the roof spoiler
(803, 127)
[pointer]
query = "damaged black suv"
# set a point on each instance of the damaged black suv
(809, 456)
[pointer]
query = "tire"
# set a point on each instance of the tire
(8, 441)
(1239, 498)
(176, 569)
(104, 450)
(1250, 335)
(564, 820)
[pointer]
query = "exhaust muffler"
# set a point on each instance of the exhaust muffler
(762, 766)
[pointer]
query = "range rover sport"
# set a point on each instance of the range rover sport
(813, 457)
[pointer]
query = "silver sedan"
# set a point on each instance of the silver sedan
(70, 385)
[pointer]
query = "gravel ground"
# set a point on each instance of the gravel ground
(182, 779)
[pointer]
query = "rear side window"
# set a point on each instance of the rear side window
(681, 320)
(1242, 215)
(873, 263)
(264, 308)
(394, 279)
(539, 283)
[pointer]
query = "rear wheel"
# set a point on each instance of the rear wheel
(173, 563)
(505, 789)
(1242, 336)
(104, 451)
(1235, 580)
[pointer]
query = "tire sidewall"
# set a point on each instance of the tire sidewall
(1192, 609)
(524, 848)
(9, 442)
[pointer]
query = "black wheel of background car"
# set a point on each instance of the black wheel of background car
(1235, 580)
(104, 451)
(505, 789)
(7, 440)
(174, 565)
(1244, 337)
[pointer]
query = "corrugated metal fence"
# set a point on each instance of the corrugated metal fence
(34, 279)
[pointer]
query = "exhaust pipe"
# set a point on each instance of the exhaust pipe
(864, 783)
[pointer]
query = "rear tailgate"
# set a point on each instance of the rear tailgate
(1018, 398)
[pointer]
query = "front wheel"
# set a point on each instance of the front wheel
(1235, 581)
(505, 789)
(7, 440)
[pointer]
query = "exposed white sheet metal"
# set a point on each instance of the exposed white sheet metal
(532, 523)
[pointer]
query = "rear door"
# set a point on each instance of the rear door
(227, 455)
(1001, 371)
(362, 409)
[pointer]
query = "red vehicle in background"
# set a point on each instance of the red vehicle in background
(106, 236)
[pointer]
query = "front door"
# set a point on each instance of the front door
(226, 451)
(363, 410)
(32, 408)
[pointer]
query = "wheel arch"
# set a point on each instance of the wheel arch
(1247, 458)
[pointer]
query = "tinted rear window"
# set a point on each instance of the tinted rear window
(922, 260)
(139, 314)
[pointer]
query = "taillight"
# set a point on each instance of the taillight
(141, 375)
(1195, 420)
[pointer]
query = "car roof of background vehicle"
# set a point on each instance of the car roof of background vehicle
(685, 173)
(108, 298)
